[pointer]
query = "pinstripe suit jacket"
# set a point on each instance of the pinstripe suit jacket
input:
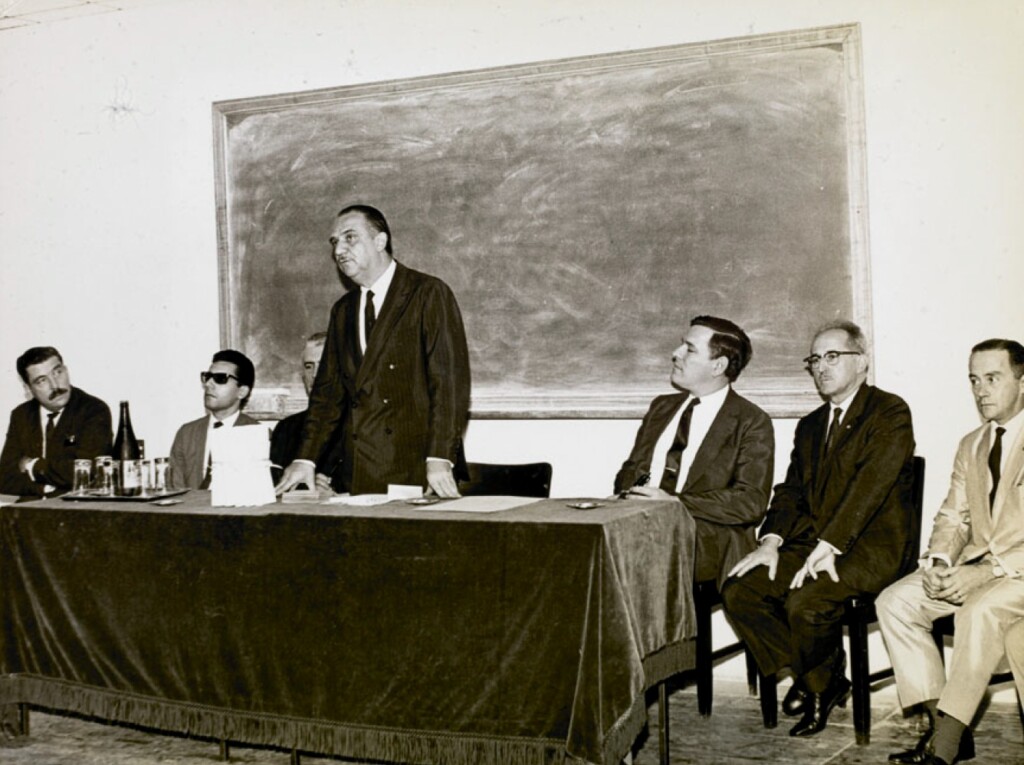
(407, 400)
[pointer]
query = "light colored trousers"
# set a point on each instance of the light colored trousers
(1015, 655)
(905, 615)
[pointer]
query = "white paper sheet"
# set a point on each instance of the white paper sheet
(359, 500)
(492, 504)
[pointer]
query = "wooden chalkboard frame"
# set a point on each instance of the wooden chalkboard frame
(783, 394)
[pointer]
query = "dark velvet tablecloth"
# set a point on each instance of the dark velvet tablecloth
(389, 632)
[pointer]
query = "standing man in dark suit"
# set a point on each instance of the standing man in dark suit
(226, 388)
(394, 374)
(47, 434)
(838, 525)
(708, 446)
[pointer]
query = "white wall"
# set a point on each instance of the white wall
(107, 228)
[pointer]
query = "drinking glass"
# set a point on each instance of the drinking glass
(82, 477)
(161, 475)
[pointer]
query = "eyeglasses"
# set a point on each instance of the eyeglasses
(831, 358)
(221, 378)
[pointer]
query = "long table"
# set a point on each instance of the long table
(390, 632)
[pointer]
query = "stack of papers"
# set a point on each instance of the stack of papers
(241, 467)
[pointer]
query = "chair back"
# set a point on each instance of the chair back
(529, 480)
(913, 551)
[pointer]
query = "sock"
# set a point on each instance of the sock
(931, 707)
(946, 742)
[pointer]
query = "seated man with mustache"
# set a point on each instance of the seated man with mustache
(49, 432)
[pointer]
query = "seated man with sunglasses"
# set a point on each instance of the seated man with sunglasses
(226, 388)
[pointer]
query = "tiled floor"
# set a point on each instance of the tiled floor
(733, 734)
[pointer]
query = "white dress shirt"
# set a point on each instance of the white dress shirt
(380, 291)
(700, 423)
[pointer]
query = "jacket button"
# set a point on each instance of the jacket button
(391, 366)
(387, 401)
(389, 431)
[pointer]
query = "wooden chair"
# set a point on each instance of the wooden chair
(529, 480)
(860, 615)
(706, 598)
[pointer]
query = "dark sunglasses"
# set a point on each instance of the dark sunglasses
(221, 378)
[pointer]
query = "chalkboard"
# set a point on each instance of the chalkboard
(582, 210)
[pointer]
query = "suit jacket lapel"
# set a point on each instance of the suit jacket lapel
(664, 410)
(846, 425)
(394, 306)
(720, 429)
(35, 428)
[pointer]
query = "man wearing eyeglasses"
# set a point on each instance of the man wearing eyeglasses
(393, 383)
(838, 525)
(226, 388)
(973, 568)
(47, 434)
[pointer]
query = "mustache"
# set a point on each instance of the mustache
(58, 392)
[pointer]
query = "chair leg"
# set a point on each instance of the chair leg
(751, 672)
(225, 750)
(662, 724)
(24, 719)
(859, 673)
(769, 699)
(296, 758)
(705, 661)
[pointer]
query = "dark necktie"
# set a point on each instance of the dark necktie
(995, 458)
(51, 428)
(369, 316)
(209, 462)
(833, 430)
(674, 458)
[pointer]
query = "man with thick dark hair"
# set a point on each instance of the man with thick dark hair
(47, 434)
(838, 525)
(227, 385)
(973, 567)
(393, 384)
(708, 446)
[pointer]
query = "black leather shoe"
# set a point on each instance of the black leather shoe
(820, 705)
(795, 702)
(922, 753)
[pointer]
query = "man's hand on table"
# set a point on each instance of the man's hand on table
(296, 473)
(440, 479)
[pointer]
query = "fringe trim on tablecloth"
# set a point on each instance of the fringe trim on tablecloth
(304, 735)
(669, 661)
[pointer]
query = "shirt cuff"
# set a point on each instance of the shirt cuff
(932, 557)
(30, 469)
(441, 459)
(772, 536)
(306, 462)
(835, 550)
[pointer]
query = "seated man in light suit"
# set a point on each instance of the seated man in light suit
(226, 388)
(973, 567)
(708, 446)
